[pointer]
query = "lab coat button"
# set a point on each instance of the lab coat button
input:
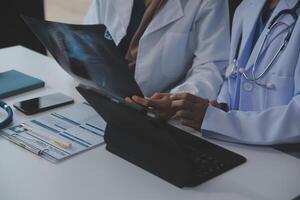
(248, 86)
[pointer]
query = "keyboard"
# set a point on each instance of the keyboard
(206, 165)
(209, 160)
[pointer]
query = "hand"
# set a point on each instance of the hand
(190, 109)
(159, 103)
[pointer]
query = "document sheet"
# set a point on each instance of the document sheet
(79, 126)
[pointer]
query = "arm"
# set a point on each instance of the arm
(212, 29)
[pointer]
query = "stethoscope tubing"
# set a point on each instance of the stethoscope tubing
(9, 117)
(255, 78)
(279, 51)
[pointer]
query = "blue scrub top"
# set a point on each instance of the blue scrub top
(260, 26)
(262, 21)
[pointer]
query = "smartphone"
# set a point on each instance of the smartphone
(44, 103)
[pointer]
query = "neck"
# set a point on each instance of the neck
(273, 3)
(147, 2)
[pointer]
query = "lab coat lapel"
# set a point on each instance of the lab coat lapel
(283, 4)
(249, 19)
(122, 12)
(171, 12)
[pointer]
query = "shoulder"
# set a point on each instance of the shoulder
(203, 7)
(245, 5)
(205, 3)
(214, 3)
(240, 10)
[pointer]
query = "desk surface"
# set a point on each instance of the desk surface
(98, 174)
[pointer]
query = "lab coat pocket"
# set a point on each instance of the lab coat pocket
(281, 93)
(175, 55)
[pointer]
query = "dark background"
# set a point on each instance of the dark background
(13, 31)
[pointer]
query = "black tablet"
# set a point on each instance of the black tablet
(156, 146)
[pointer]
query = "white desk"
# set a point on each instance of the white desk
(98, 174)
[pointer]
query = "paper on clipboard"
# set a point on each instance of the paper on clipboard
(78, 125)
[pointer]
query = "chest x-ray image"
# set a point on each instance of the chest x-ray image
(87, 54)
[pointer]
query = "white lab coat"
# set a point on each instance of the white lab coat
(181, 50)
(263, 116)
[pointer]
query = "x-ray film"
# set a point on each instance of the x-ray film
(88, 54)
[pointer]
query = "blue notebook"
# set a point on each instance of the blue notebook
(14, 82)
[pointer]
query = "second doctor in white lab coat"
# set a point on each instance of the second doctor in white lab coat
(263, 115)
(182, 49)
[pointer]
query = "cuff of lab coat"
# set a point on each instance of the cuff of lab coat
(212, 116)
(214, 123)
(201, 90)
(213, 120)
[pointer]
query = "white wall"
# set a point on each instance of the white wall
(69, 11)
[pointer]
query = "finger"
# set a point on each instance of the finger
(185, 115)
(182, 105)
(141, 101)
(155, 103)
(129, 100)
(185, 96)
(159, 95)
(191, 124)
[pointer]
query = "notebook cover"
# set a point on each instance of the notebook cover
(14, 82)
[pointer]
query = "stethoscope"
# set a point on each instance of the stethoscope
(4, 123)
(233, 69)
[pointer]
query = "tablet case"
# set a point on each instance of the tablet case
(153, 145)
(14, 82)
(291, 149)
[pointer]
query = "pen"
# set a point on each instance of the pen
(56, 141)
(25, 146)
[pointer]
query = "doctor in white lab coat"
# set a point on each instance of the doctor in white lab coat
(261, 115)
(246, 112)
(182, 49)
